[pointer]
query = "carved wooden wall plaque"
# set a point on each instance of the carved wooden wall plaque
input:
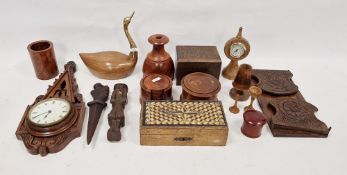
(54, 119)
(288, 114)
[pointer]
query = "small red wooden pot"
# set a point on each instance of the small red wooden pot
(199, 86)
(156, 87)
(43, 59)
(253, 122)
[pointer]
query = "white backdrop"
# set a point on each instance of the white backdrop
(306, 37)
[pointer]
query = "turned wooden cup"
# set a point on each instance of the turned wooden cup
(242, 82)
(43, 59)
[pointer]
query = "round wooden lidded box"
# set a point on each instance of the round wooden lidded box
(156, 87)
(199, 86)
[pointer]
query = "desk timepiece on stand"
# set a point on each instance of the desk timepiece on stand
(237, 48)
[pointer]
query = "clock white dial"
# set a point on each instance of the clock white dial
(237, 50)
(49, 112)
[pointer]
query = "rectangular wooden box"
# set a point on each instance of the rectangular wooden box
(197, 59)
(183, 123)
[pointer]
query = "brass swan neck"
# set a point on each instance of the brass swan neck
(113, 65)
(126, 23)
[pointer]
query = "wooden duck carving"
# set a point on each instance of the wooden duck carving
(113, 65)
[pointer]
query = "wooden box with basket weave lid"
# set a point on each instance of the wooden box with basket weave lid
(183, 123)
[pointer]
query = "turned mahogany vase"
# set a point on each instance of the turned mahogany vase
(253, 122)
(200, 86)
(158, 60)
(156, 87)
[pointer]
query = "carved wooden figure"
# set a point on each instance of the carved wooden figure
(54, 119)
(100, 95)
(116, 117)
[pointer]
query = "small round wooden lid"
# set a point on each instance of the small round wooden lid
(254, 118)
(156, 82)
(200, 84)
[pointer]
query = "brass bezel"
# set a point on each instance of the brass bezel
(53, 123)
(237, 40)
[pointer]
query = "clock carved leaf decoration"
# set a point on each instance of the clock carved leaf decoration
(53, 137)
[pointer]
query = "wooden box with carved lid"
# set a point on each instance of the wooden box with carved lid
(197, 59)
(183, 123)
(199, 86)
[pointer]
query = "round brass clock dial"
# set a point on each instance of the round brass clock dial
(237, 47)
(237, 50)
(49, 112)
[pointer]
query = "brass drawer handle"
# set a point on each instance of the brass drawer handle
(183, 139)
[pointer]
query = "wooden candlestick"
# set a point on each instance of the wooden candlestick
(116, 117)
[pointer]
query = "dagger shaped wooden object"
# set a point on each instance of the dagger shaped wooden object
(100, 96)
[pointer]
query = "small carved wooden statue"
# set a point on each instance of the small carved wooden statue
(116, 116)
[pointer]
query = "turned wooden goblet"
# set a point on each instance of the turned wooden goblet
(254, 92)
(234, 109)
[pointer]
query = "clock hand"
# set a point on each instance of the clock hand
(39, 114)
(47, 114)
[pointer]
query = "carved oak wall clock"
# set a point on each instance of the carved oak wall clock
(54, 119)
